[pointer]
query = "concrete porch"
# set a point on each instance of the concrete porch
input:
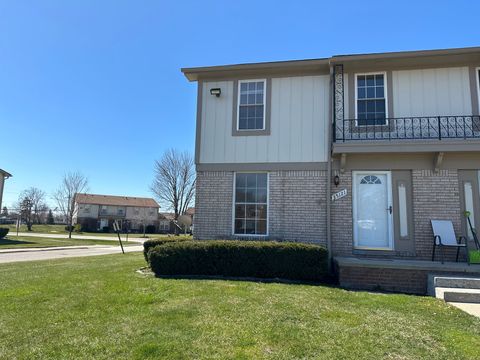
(396, 275)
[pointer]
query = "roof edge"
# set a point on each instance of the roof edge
(5, 174)
(194, 73)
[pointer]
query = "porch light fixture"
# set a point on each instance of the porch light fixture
(216, 92)
(336, 180)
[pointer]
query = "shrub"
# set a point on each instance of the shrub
(106, 229)
(77, 228)
(68, 227)
(258, 259)
(3, 232)
(150, 229)
(149, 244)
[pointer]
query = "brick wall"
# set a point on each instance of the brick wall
(297, 205)
(435, 196)
(213, 205)
(398, 280)
(298, 210)
(342, 217)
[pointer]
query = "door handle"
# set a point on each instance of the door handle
(390, 209)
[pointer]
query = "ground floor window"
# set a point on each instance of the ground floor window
(251, 203)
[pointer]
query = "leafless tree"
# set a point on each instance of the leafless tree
(174, 182)
(72, 183)
(37, 201)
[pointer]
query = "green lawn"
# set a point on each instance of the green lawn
(100, 308)
(60, 229)
(12, 242)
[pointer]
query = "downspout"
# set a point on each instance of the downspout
(329, 172)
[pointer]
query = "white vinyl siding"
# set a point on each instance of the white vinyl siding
(431, 92)
(298, 124)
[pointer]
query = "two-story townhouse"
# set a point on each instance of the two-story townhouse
(357, 152)
(98, 212)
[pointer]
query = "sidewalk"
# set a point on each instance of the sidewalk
(76, 236)
(33, 254)
(472, 309)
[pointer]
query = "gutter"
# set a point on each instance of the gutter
(329, 173)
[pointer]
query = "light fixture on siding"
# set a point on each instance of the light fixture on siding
(216, 92)
(336, 180)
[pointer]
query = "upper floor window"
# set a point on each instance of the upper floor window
(371, 105)
(251, 105)
(103, 210)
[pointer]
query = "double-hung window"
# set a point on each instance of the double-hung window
(251, 105)
(251, 203)
(371, 104)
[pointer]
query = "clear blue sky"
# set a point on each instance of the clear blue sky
(96, 86)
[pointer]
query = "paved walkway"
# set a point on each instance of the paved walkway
(472, 309)
(76, 236)
(33, 254)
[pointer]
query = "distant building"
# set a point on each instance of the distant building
(3, 175)
(98, 212)
(166, 223)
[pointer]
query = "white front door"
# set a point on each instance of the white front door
(372, 210)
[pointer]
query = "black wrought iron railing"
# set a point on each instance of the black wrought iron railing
(408, 128)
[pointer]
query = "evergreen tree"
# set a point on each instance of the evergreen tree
(50, 219)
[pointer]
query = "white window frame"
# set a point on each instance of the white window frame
(390, 224)
(385, 94)
(264, 103)
(268, 204)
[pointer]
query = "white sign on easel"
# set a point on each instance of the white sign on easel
(339, 195)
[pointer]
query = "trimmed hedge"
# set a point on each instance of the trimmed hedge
(3, 232)
(259, 259)
(147, 245)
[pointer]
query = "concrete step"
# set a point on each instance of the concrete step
(458, 295)
(457, 282)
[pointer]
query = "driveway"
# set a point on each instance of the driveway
(32, 254)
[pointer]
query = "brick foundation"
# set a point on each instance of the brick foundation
(381, 279)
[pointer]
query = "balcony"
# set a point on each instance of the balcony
(408, 128)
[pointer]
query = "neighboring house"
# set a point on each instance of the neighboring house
(3, 175)
(393, 137)
(165, 223)
(98, 212)
(191, 212)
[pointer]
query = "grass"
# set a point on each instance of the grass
(12, 242)
(474, 256)
(60, 229)
(99, 307)
(42, 228)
